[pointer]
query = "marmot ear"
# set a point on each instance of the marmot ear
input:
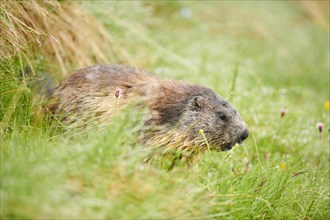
(197, 102)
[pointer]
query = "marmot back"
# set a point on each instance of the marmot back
(89, 95)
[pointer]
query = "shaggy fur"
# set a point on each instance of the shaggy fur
(177, 110)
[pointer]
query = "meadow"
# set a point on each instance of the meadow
(269, 59)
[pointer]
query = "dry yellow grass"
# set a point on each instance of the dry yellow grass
(61, 31)
(317, 11)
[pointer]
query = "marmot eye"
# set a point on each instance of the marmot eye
(222, 116)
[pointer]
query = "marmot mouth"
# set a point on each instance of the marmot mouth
(226, 147)
(229, 146)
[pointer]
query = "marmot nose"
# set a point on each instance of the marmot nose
(244, 135)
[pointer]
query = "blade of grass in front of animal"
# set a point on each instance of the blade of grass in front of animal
(255, 145)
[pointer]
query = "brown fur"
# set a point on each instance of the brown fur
(177, 110)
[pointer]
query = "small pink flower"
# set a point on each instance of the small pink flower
(118, 92)
(283, 111)
(320, 126)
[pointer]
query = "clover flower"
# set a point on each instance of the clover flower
(283, 112)
(320, 126)
(118, 92)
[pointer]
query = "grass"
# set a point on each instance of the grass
(261, 56)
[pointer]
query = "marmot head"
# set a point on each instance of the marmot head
(221, 123)
(191, 108)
